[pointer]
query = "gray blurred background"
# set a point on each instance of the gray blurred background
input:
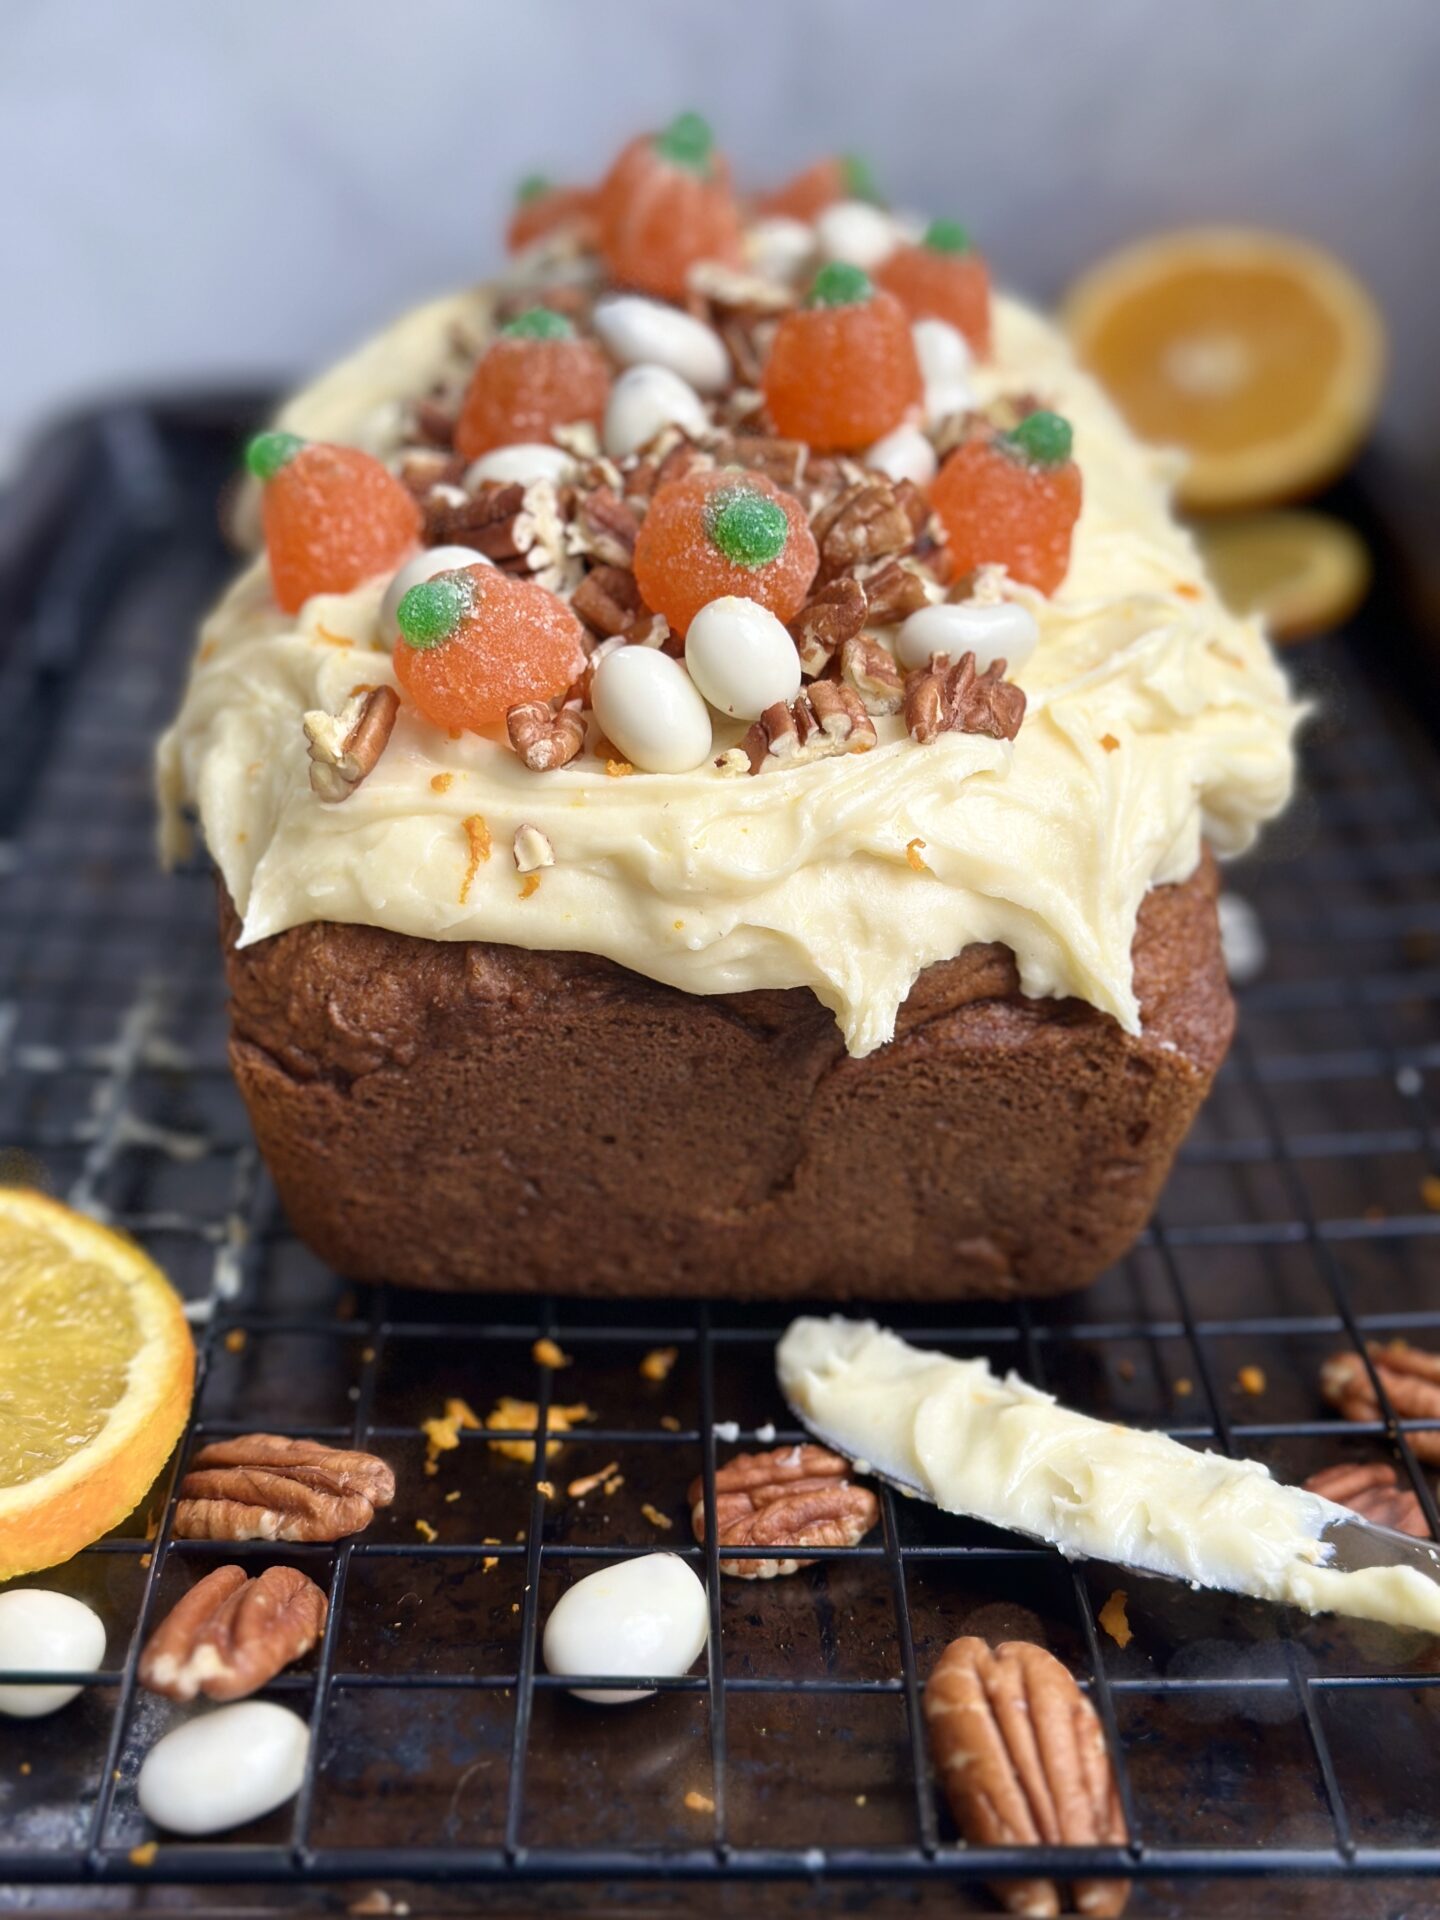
(226, 190)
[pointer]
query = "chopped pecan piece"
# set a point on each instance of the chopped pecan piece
(827, 621)
(1375, 1493)
(484, 520)
(532, 849)
(422, 468)
(607, 599)
(825, 718)
(263, 1486)
(894, 593)
(345, 746)
(1410, 1377)
(231, 1634)
(1022, 1761)
(874, 674)
(794, 1497)
(605, 528)
(543, 738)
(945, 699)
(867, 522)
(432, 424)
(781, 461)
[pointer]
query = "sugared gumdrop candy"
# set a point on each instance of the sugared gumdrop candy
(537, 376)
(727, 532)
(942, 279)
(665, 204)
(333, 516)
(843, 176)
(1012, 501)
(542, 207)
(842, 370)
(475, 642)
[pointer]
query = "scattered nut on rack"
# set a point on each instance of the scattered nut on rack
(799, 1496)
(266, 1486)
(231, 1634)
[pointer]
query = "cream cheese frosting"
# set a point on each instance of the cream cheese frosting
(1004, 1452)
(1156, 722)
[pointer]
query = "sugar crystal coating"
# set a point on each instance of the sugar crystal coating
(476, 642)
(665, 205)
(942, 279)
(747, 527)
(333, 518)
(431, 611)
(843, 372)
(947, 236)
(531, 380)
(1003, 511)
(680, 566)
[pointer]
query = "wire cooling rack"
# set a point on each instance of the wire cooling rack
(1247, 1740)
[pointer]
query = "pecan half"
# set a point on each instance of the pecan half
(867, 522)
(607, 599)
(1410, 1377)
(794, 1497)
(781, 461)
(544, 739)
(345, 746)
(874, 674)
(827, 621)
(825, 718)
(945, 699)
(263, 1486)
(1022, 1760)
(231, 1634)
(1375, 1493)
(605, 528)
(894, 593)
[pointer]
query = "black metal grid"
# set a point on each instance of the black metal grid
(1246, 1740)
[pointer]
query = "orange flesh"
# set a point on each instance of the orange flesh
(997, 510)
(523, 389)
(517, 642)
(679, 569)
(333, 518)
(942, 286)
(842, 377)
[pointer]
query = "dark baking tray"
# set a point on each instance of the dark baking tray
(1250, 1741)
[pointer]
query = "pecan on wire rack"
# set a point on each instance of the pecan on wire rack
(1373, 1490)
(230, 1635)
(794, 1497)
(264, 1486)
(1410, 1377)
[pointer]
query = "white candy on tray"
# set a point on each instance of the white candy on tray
(46, 1632)
(640, 1618)
(224, 1768)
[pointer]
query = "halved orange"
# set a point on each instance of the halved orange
(1303, 572)
(97, 1368)
(1259, 354)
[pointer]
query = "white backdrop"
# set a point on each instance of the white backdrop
(210, 189)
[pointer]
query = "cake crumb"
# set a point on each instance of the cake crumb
(669, 1423)
(658, 1362)
(588, 1482)
(914, 853)
(1251, 1380)
(656, 1517)
(426, 1532)
(1430, 1191)
(1112, 1618)
(477, 837)
(144, 1856)
(1183, 1386)
(545, 1353)
(235, 1340)
(441, 782)
(699, 1802)
(1109, 742)
(617, 769)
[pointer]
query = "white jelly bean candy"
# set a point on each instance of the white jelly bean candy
(780, 249)
(993, 630)
(224, 1768)
(904, 454)
(422, 567)
(526, 462)
(944, 356)
(46, 1632)
(641, 1617)
(853, 230)
(741, 658)
(648, 333)
(647, 704)
(642, 401)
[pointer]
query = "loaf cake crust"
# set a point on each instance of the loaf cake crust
(464, 1115)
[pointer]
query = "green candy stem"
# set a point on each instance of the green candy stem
(1044, 439)
(267, 453)
(686, 142)
(748, 529)
(430, 613)
(947, 236)
(838, 284)
(538, 323)
(859, 179)
(533, 187)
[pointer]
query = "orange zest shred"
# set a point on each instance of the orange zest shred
(914, 853)
(441, 782)
(545, 1353)
(333, 639)
(477, 836)
(511, 1413)
(617, 769)
(1110, 743)
(658, 1362)
(1113, 1619)
(426, 1532)
(656, 1518)
(529, 885)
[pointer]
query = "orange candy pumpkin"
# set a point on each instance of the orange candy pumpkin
(665, 204)
(842, 370)
(333, 516)
(537, 376)
(725, 532)
(541, 207)
(1012, 501)
(942, 279)
(475, 642)
(842, 176)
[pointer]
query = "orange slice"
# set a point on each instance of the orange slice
(1302, 572)
(1260, 355)
(96, 1372)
